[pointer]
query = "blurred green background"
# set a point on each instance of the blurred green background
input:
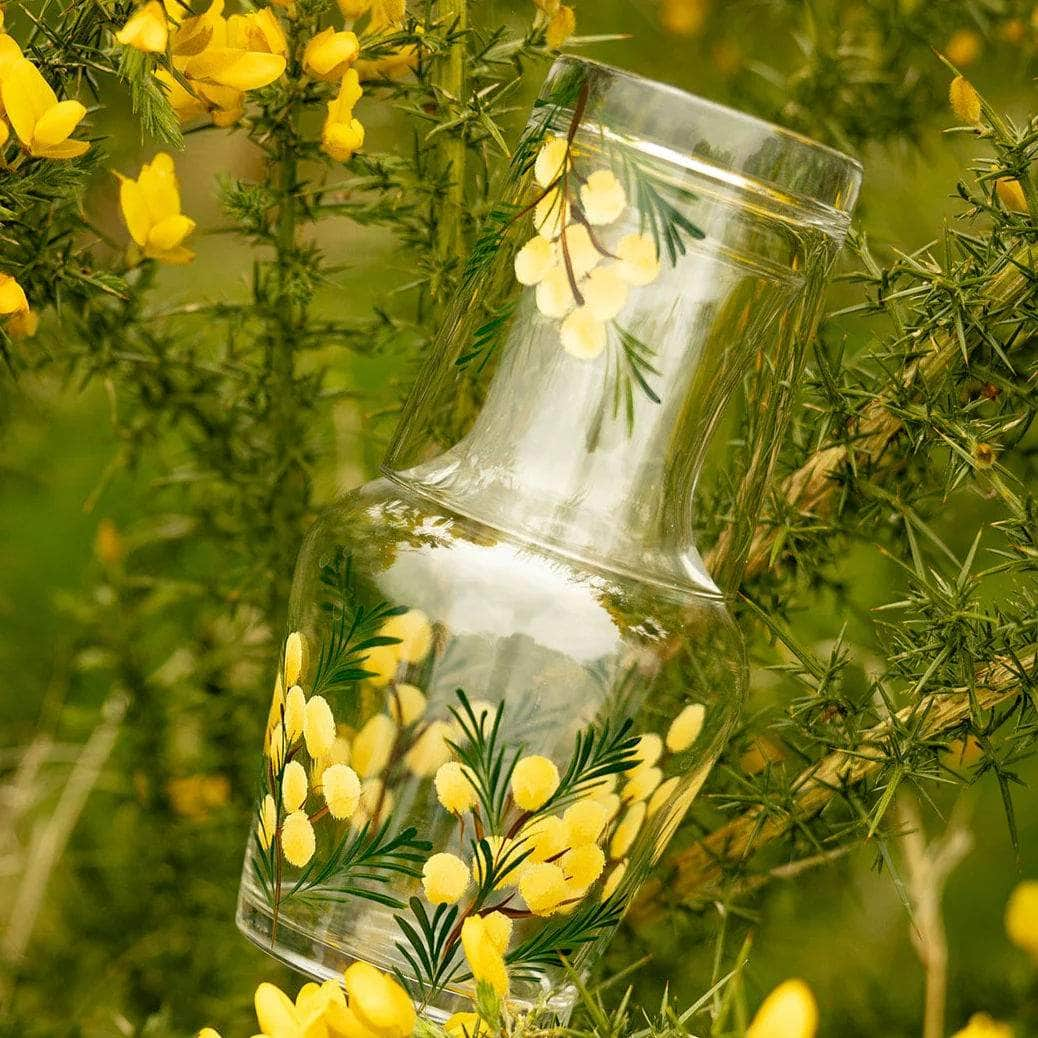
(134, 931)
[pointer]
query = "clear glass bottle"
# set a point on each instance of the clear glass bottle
(508, 671)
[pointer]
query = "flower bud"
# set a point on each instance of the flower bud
(965, 100)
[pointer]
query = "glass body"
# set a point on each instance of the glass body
(508, 671)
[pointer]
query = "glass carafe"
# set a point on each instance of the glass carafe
(507, 671)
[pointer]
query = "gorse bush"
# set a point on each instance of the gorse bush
(366, 136)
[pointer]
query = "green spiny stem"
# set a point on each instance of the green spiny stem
(451, 80)
(285, 317)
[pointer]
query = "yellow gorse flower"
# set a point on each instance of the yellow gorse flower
(19, 321)
(279, 1017)
(42, 122)
(562, 26)
(466, 1025)
(10, 52)
(373, 1005)
(558, 21)
(147, 29)
(23, 325)
(964, 99)
(789, 1011)
(983, 1026)
(384, 16)
(151, 208)
(329, 54)
(378, 1007)
(1011, 194)
(12, 297)
(1022, 917)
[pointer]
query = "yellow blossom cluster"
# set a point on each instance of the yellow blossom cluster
(565, 262)
(43, 124)
(296, 723)
(373, 1005)
(348, 768)
(552, 860)
(645, 790)
(220, 58)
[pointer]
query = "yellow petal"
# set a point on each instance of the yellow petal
(353, 9)
(57, 124)
(64, 150)
(182, 101)
(329, 53)
(178, 257)
(168, 234)
(135, 210)
(26, 96)
(196, 33)
(965, 100)
(340, 141)
(146, 29)
(1022, 917)
(274, 1010)
(9, 53)
(379, 1002)
(158, 181)
(484, 958)
(226, 104)
(386, 12)
(341, 109)
(12, 297)
(344, 1023)
(238, 69)
(23, 325)
(561, 27)
(789, 1011)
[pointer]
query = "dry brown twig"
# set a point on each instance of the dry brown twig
(928, 866)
